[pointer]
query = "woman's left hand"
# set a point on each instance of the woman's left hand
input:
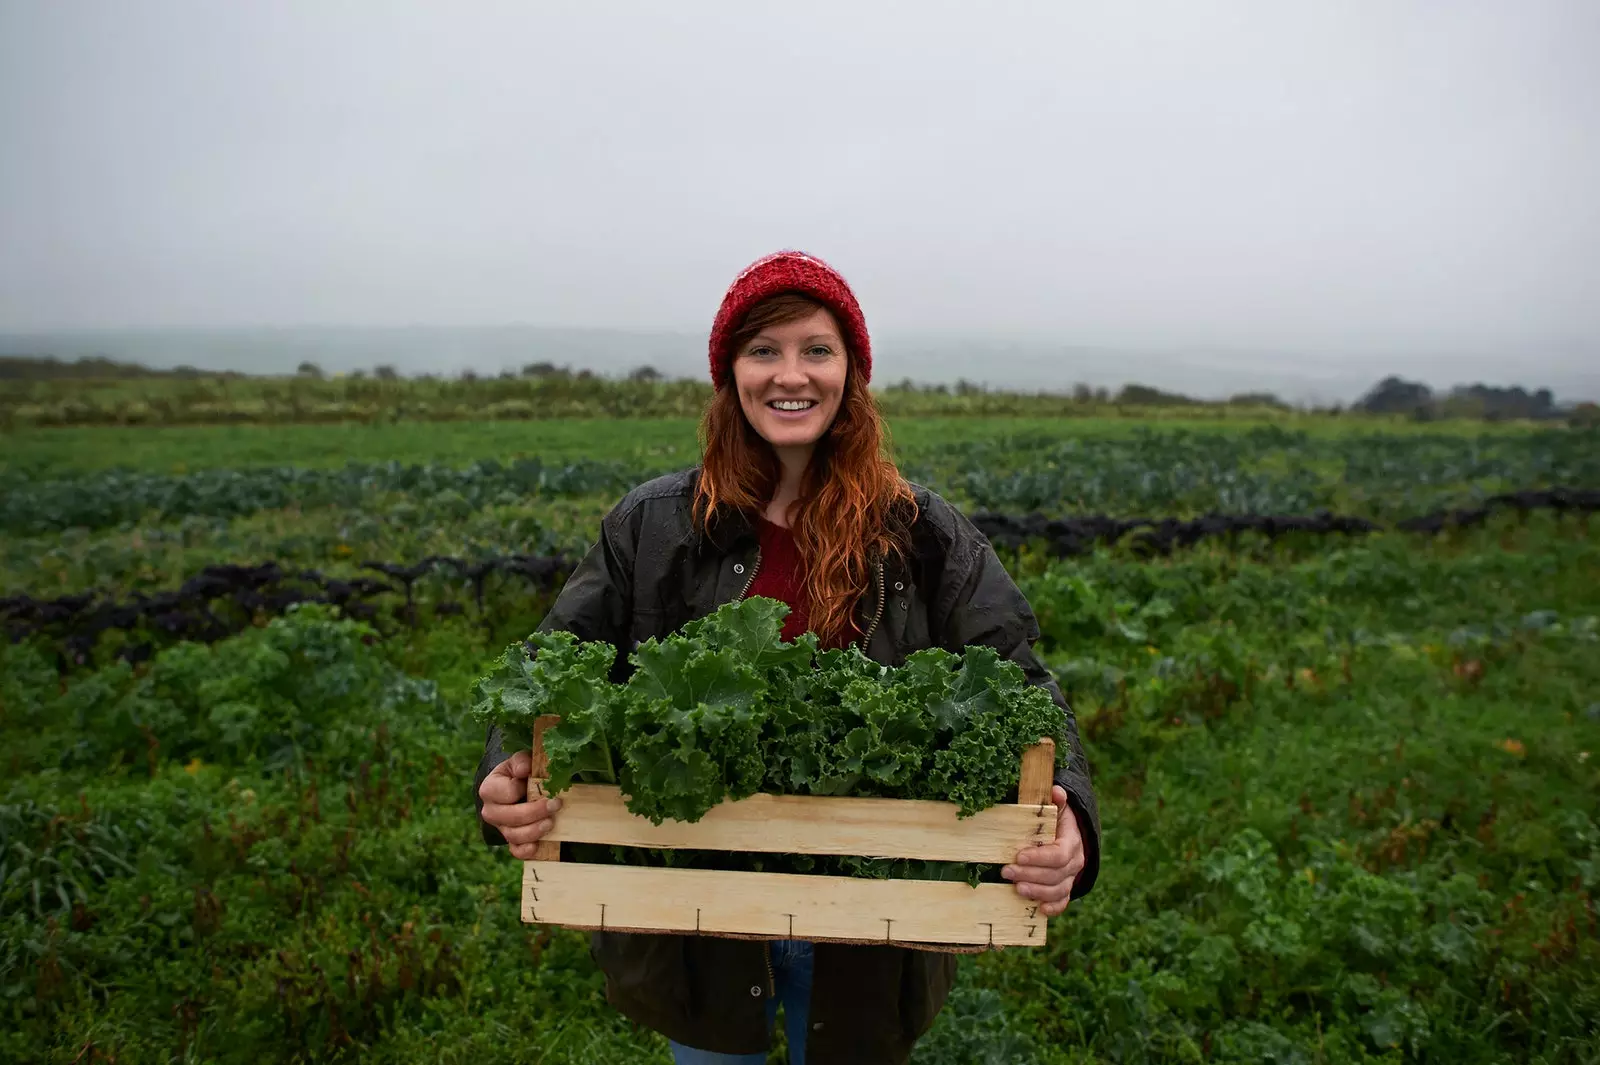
(1045, 874)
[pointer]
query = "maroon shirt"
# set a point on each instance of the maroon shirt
(781, 575)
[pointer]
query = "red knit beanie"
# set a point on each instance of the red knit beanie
(788, 271)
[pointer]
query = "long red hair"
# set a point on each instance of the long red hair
(854, 507)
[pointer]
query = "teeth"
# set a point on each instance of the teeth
(793, 404)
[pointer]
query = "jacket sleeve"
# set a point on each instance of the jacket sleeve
(981, 604)
(594, 604)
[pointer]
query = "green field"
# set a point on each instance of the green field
(1350, 784)
(174, 450)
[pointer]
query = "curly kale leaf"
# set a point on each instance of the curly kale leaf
(564, 677)
(994, 714)
(809, 723)
(885, 738)
(668, 773)
(693, 729)
(752, 629)
(972, 694)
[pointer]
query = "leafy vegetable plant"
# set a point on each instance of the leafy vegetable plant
(726, 708)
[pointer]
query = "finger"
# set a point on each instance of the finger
(1053, 898)
(504, 784)
(524, 851)
(1059, 856)
(1056, 852)
(1047, 864)
(1056, 909)
(528, 833)
(1057, 873)
(509, 818)
(1046, 893)
(1065, 849)
(1067, 823)
(516, 814)
(500, 787)
(520, 764)
(1039, 875)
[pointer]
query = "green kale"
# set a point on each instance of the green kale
(562, 677)
(725, 708)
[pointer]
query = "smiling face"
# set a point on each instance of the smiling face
(790, 378)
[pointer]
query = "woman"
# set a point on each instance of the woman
(794, 499)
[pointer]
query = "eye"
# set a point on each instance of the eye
(760, 351)
(819, 351)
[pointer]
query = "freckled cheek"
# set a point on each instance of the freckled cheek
(832, 385)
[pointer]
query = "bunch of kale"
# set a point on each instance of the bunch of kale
(725, 708)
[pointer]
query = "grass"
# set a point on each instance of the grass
(174, 450)
(180, 449)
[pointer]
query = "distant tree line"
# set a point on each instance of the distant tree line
(1395, 395)
(89, 368)
(100, 367)
(1130, 395)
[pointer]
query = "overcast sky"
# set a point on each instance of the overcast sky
(1335, 176)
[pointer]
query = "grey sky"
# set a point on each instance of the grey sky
(1349, 179)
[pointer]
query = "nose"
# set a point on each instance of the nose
(791, 374)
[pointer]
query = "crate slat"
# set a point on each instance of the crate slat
(811, 824)
(778, 905)
(547, 849)
(1038, 772)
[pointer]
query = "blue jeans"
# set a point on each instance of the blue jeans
(791, 972)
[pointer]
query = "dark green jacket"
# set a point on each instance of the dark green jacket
(649, 573)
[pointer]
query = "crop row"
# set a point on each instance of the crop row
(225, 599)
(109, 498)
(1264, 470)
(222, 599)
(1070, 537)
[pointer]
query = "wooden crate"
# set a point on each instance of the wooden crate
(938, 914)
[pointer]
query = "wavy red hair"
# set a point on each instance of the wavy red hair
(854, 507)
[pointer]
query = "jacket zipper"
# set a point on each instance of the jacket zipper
(877, 617)
(772, 983)
(755, 567)
(872, 626)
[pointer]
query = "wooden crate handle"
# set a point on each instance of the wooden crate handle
(545, 850)
(1038, 773)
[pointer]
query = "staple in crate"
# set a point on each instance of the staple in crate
(931, 914)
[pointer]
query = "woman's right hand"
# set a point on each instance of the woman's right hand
(505, 805)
